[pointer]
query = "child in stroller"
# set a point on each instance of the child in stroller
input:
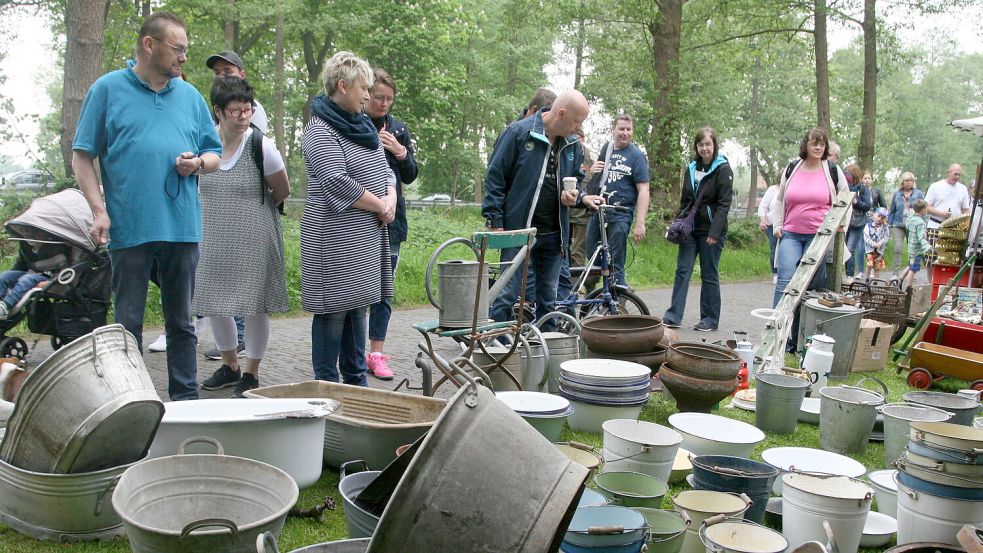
(36, 263)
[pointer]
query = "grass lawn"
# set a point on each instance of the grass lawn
(302, 532)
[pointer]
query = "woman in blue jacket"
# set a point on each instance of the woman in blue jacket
(709, 173)
(901, 204)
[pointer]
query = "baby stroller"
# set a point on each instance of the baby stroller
(75, 301)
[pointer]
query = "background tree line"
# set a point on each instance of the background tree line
(759, 71)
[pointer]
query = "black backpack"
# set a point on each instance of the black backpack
(256, 144)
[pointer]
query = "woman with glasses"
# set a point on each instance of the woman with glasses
(241, 268)
(901, 204)
(344, 239)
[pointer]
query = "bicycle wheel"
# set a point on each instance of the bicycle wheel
(628, 303)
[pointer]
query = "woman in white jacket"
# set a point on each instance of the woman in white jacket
(767, 225)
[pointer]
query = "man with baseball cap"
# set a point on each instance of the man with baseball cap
(229, 64)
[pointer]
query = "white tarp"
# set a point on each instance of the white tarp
(974, 125)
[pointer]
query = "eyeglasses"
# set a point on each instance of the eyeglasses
(179, 50)
(384, 99)
(239, 112)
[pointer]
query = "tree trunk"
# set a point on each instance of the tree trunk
(85, 25)
(822, 67)
(230, 26)
(579, 54)
(280, 84)
(664, 155)
(868, 122)
(752, 194)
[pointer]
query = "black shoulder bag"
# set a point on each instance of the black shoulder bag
(680, 229)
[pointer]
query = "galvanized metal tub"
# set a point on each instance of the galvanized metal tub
(963, 409)
(779, 398)
(370, 424)
(60, 507)
(897, 417)
(91, 405)
(266, 543)
(465, 494)
(846, 417)
(202, 503)
(499, 380)
(355, 477)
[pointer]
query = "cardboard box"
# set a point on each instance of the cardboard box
(873, 346)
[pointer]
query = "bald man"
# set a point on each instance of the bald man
(524, 188)
(947, 197)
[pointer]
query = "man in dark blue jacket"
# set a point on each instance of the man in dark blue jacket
(398, 143)
(523, 189)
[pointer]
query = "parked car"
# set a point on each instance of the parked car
(28, 181)
(437, 199)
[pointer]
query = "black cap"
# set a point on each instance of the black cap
(227, 55)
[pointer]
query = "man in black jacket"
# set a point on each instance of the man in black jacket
(398, 144)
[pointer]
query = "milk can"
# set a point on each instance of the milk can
(818, 360)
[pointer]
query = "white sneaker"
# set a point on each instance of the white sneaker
(774, 279)
(160, 344)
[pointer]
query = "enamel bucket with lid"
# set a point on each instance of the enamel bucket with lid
(808, 500)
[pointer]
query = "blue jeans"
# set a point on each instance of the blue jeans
(696, 245)
(14, 284)
(544, 269)
(380, 313)
(176, 263)
(790, 250)
(338, 339)
(855, 245)
(617, 243)
(772, 246)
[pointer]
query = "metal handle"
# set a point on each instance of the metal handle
(103, 330)
(581, 446)
(266, 543)
(343, 469)
(206, 522)
(560, 315)
(433, 260)
(102, 495)
(875, 403)
(219, 450)
(877, 380)
(546, 353)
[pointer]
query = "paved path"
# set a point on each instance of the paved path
(288, 356)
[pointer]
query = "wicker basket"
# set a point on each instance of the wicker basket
(886, 302)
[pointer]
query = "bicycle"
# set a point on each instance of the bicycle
(610, 298)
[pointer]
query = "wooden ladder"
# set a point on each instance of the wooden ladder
(771, 348)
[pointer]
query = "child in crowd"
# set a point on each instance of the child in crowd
(917, 242)
(36, 263)
(876, 233)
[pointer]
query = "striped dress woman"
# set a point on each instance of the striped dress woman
(344, 244)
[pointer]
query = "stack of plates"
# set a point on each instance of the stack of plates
(545, 412)
(603, 389)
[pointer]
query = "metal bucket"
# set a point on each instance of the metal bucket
(194, 503)
(730, 536)
(840, 323)
(926, 517)
(462, 490)
(60, 507)
(639, 446)
(92, 401)
(266, 543)
(808, 500)
(355, 477)
(562, 347)
(846, 417)
(962, 408)
(896, 427)
(666, 529)
(604, 526)
(535, 360)
(724, 473)
(777, 403)
(583, 455)
(499, 380)
(699, 505)
(631, 489)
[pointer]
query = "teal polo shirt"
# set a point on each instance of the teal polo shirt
(137, 133)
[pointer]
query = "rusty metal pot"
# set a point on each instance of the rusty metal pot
(695, 394)
(622, 333)
(700, 360)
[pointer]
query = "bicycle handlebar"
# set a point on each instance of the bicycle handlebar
(615, 207)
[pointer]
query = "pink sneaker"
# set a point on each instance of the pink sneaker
(378, 364)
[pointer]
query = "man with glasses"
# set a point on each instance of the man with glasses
(152, 133)
(947, 197)
(398, 143)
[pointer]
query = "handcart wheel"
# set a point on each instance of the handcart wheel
(920, 378)
(977, 385)
(13, 347)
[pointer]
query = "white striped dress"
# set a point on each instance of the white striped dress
(344, 252)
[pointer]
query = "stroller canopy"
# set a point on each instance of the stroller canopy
(974, 125)
(63, 216)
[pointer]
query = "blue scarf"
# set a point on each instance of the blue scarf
(356, 127)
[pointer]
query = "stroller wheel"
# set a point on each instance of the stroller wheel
(57, 342)
(13, 347)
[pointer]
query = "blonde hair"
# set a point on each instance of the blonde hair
(345, 66)
(905, 176)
